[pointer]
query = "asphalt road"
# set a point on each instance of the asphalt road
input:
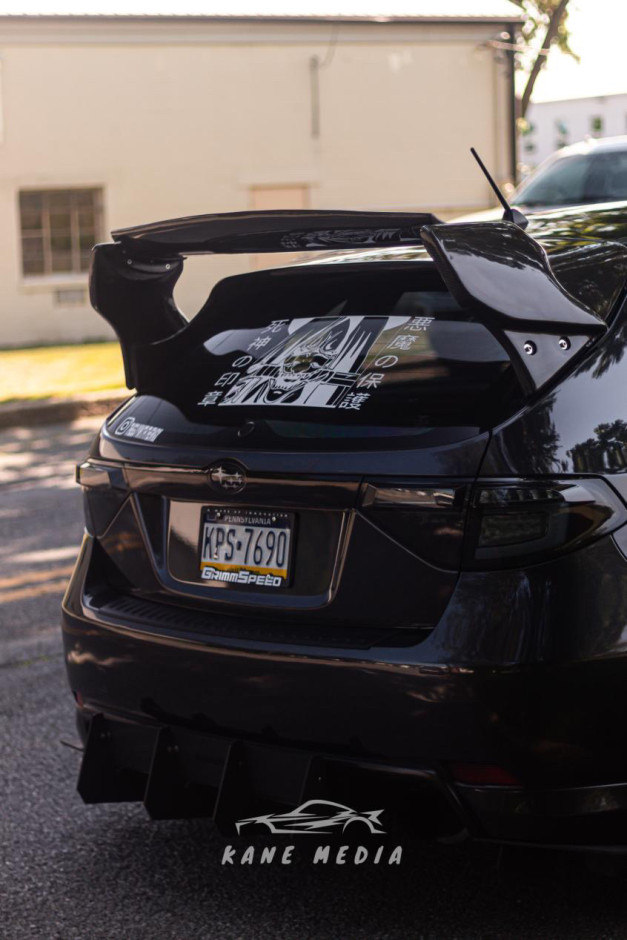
(71, 871)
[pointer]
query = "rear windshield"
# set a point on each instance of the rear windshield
(308, 355)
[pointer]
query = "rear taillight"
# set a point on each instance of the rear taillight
(426, 519)
(520, 522)
(495, 523)
(483, 775)
(104, 491)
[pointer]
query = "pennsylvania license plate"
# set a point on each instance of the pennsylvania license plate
(247, 546)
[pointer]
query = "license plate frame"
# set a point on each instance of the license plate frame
(238, 572)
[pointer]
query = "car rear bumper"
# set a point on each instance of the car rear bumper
(179, 773)
(199, 724)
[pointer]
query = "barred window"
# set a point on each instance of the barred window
(59, 228)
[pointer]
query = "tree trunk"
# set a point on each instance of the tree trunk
(554, 24)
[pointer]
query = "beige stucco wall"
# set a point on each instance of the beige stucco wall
(176, 120)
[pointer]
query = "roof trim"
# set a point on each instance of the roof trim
(67, 18)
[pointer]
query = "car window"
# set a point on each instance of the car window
(316, 359)
(607, 177)
(576, 180)
(561, 183)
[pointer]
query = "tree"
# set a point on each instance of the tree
(546, 25)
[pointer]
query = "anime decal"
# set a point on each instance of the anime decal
(325, 362)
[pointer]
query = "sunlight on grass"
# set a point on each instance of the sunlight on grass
(59, 371)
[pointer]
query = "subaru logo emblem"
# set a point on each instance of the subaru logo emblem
(228, 476)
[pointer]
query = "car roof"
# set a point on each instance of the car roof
(591, 145)
(595, 145)
(556, 230)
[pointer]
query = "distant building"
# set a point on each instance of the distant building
(555, 124)
(112, 121)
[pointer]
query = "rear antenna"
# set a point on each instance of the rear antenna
(509, 214)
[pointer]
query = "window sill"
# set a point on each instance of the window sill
(50, 282)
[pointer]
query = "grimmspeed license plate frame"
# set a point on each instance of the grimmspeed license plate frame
(251, 547)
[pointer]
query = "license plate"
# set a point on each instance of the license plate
(248, 546)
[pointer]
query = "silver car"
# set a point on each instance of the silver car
(587, 173)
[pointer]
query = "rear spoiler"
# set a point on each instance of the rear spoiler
(281, 230)
(501, 274)
(131, 281)
(496, 271)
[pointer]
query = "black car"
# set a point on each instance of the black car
(360, 534)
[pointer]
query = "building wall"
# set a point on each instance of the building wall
(555, 124)
(173, 119)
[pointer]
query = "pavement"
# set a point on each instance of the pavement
(72, 872)
(23, 413)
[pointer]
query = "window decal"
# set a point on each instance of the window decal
(324, 362)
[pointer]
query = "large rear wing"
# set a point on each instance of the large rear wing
(281, 230)
(504, 277)
(495, 270)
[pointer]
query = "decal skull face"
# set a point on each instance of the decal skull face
(309, 361)
(315, 356)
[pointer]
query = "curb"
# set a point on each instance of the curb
(50, 411)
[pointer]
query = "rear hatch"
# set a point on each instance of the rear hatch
(304, 450)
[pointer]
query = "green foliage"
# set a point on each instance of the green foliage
(537, 15)
(59, 371)
(545, 25)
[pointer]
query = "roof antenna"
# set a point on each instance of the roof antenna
(509, 214)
